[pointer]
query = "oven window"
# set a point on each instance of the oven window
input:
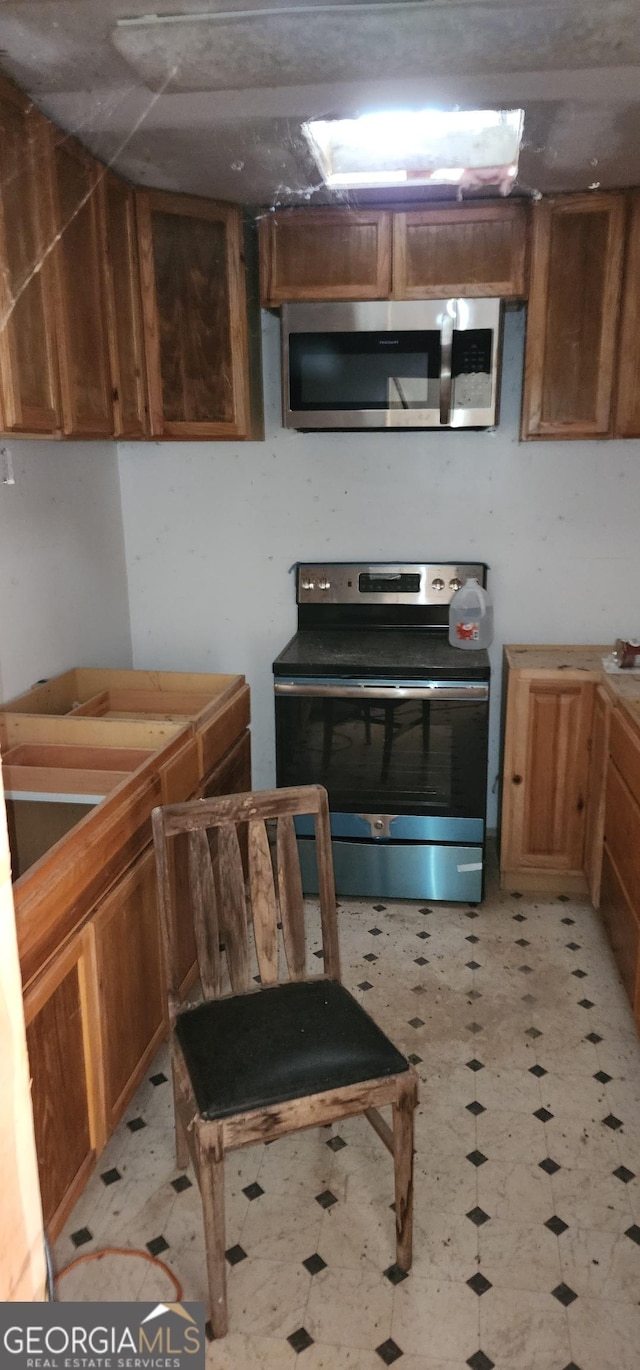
(382, 756)
(354, 371)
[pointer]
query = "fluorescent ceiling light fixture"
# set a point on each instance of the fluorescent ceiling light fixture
(466, 148)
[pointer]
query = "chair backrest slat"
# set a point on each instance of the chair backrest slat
(234, 907)
(290, 897)
(264, 905)
(205, 913)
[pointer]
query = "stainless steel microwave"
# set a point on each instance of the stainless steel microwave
(396, 364)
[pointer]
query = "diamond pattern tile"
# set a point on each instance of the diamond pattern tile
(235, 1254)
(395, 1275)
(336, 1143)
(183, 1182)
(475, 1107)
(300, 1340)
(314, 1264)
(614, 1123)
(556, 1225)
(477, 1216)
(326, 1199)
(624, 1174)
(479, 1284)
(549, 1166)
(477, 1158)
(157, 1245)
(388, 1351)
(253, 1191)
(475, 1065)
(478, 1361)
(564, 1295)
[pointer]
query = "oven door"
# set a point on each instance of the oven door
(388, 748)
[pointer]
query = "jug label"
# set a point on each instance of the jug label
(467, 632)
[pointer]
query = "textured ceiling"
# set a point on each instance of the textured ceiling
(211, 99)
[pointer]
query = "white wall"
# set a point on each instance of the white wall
(63, 598)
(212, 530)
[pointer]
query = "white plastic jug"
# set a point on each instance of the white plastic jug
(471, 617)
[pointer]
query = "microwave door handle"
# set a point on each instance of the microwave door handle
(446, 350)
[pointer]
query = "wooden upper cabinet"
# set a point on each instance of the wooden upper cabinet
(325, 254)
(125, 310)
(30, 400)
(627, 424)
(476, 250)
(576, 268)
(83, 343)
(195, 317)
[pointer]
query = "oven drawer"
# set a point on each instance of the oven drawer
(408, 871)
(399, 827)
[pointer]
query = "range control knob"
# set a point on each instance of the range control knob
(324, 584)
(455, 584)
(437, 584)
(308, 585)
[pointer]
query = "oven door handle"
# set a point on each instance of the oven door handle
(371, 692)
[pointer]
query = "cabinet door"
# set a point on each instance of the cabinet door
(125, 310)
(195, 321)
(480, 250)
(84, 358)
(623, 929)
(628, 398)
(594, 831)
(325, 254)
(546, 768)
(133, 1004)
(63, 1041)
(576, 266)
(29, 399)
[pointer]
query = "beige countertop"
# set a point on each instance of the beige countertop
(584, 662)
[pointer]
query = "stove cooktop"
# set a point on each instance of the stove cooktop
(412, 654)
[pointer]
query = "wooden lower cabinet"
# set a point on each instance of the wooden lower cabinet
(545, 780)
(132, 995)
(64, 1045)
(623, 929)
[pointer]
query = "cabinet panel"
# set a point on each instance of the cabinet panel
(195, 316)
(475, 251)
(127, 342)
(594, 832)
(624, 746)
(325, 255)
(545, 779)
(30, 399)
(131, 979)
(573, 311)
(622, 926)
(622, 833)
(64, 1057)
(628, 398)
(85, 368)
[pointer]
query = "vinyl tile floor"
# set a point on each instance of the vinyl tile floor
(527, 1182)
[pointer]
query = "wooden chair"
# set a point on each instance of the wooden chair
(297, 1052)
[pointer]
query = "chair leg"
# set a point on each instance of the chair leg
(211, 1177)
(403, 1117)
(182, 1149)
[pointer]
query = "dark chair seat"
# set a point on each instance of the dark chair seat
(286, 1042)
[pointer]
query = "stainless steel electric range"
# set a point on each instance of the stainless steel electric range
(373, 703)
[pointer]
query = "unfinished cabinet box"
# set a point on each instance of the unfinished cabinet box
(29, 389)
(132, 992)
(545, 778)
(125, 311)
(470, 250)
(574, 295)
(63, 1041)
(84, 355)
(197, 341)
(325, 254)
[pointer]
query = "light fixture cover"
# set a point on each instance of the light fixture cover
(465, 148)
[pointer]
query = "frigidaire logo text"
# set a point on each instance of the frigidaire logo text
(166, 1338)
